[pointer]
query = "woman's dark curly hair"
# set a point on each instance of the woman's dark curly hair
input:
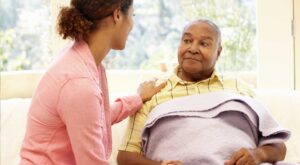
(77, 21)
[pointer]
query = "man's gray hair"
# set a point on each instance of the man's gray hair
(210, 23)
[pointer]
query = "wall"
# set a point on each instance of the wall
(22, 84)
(275, 44)
(297, 41)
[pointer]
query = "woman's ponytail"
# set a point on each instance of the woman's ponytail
(72, 24)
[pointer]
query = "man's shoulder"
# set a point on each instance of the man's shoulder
(234, 81)
(165, 77)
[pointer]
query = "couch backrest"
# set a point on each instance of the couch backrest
(284, 105)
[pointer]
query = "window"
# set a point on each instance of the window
(26, 41)
(159, 23)
(25, 30)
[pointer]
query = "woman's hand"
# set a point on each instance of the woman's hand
(171, 162)
(148, 88)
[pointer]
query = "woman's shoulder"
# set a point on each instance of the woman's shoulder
(68, 65)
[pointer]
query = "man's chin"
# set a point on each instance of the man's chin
(191, 69)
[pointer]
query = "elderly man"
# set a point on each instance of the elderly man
(198, 52)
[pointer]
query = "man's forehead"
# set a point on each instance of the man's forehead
(202, 27)
(199, 28)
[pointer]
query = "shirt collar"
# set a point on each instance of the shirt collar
(177, 80)
(83, 50)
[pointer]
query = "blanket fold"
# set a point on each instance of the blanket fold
(208, 128)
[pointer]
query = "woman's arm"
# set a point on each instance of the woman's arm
(124, 107)
(80, 108)
(127, 106)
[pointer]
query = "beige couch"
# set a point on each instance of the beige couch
(284, 105)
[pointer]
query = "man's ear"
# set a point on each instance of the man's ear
(219, 51)
(117, 15)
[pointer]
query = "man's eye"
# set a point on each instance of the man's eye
(187, 41)
(205, 44)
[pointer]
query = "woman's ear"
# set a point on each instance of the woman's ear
(117, 15)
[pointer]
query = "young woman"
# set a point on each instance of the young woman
(69, 121)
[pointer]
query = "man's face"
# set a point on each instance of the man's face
(199, 50)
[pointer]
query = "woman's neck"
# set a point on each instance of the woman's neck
(100, 44)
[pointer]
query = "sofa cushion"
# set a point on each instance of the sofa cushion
(284, 106)
(13, 123)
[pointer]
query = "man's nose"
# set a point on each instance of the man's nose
(194, 48)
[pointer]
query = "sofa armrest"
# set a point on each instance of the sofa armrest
(13, 124)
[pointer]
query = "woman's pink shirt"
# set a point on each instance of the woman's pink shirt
(69, 121)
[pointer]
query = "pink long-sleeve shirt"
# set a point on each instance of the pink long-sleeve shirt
(69, 120)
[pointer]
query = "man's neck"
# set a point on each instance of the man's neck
(195, 77)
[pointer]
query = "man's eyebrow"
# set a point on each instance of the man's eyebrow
(207, 37)
(187, 34)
